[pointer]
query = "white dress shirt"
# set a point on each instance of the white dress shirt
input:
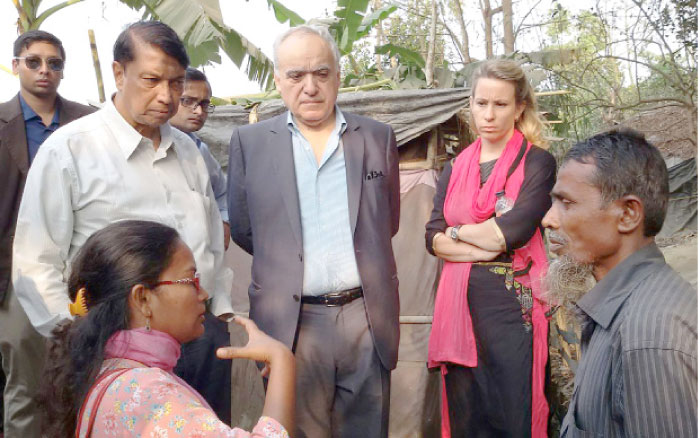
(99, 170)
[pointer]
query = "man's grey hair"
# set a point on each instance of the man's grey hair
(307, 29)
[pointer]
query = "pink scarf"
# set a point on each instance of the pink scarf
(452, 337)
(152, 348)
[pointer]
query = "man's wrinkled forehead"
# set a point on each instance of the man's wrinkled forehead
(299, 50)
(302, 70)
(574, 178)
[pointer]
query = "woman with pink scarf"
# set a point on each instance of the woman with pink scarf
(110, 371)
(489, 333)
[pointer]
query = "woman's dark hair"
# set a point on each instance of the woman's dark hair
(111, 262)
(152, 32)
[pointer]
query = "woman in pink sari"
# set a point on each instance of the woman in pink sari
(489, 333)
(110, 371)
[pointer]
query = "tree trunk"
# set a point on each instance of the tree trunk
(508, 37)
(380, 38)
(23, 20)
(488, 28)
(463, 29)
(431, 44)
(420, 5)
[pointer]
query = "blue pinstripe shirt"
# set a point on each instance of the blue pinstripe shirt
(329, 253)
(638, 374)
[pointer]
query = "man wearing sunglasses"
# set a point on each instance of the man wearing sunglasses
(211, 378)
(25, 122)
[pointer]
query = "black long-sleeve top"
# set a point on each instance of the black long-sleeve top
(519, 224)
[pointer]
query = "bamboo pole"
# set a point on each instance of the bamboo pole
(276, 95)
(96, 64)
(6, 69)
(552, 93)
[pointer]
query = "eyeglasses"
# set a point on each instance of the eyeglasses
(192, 103)
(193, 281)
(34, 62)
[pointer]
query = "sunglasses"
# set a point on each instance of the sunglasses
(34, 62)
(192, 103)
(193, 281)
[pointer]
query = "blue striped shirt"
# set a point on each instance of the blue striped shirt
(329, 253)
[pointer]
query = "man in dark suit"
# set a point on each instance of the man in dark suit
(314, 196)
(25, 122)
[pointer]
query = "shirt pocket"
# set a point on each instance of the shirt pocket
(191, 210)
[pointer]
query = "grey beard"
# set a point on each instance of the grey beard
(567, 281)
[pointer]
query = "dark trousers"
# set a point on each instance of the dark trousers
(342, 386)
(201, 369)
(493, 400)
(23, 352)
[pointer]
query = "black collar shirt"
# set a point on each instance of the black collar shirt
(638, 373)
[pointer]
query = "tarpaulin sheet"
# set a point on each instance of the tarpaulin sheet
(682, 214)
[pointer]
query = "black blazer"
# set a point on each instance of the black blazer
(266, 222)
(14, 165)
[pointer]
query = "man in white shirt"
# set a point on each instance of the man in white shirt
(122, 162)
(211, 378)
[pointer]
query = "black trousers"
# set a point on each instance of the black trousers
(201, 369)
(494, 399)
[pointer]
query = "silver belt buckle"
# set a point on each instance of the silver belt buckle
(330, 296)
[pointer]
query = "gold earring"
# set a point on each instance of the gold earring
(148, 323)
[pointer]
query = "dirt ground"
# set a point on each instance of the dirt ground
(682, 254)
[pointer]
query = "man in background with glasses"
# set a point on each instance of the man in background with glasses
(211, 378)
(194, 109)
(25, 122)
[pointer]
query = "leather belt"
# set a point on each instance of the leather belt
(333, 299)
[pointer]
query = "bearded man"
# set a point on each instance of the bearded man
(638, 372)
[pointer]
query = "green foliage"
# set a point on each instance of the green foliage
(201, 26)
(681, 19)
(560, 21)
(29, 17)
(410, 29)
(350, 17)
(621, 61)
(353, 24)
(372, 19)
(406, 56)
(284, 14)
